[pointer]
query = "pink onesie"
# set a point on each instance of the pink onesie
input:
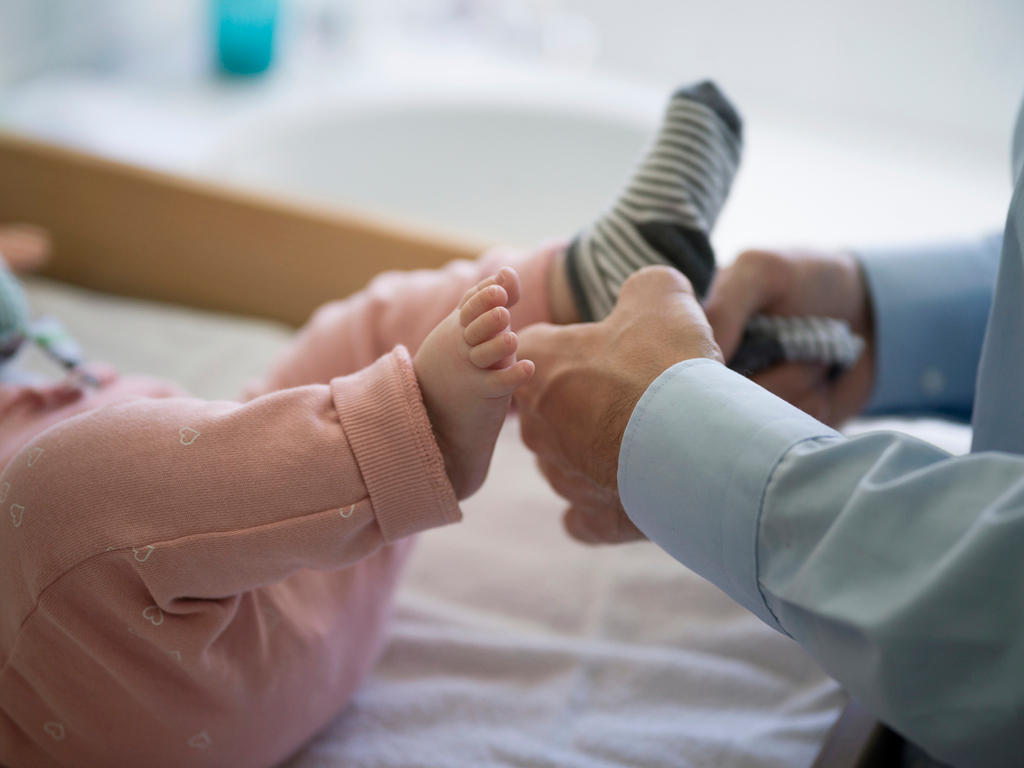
(194, 583)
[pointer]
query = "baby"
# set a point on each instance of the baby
(197, 583)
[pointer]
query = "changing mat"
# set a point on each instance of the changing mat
(513, 645)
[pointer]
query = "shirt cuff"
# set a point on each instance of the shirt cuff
(931, 308)
(696, 459)
(382, 413)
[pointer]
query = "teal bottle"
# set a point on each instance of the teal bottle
(244, 31)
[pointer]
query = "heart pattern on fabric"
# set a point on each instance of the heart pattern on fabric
(201, 740)
(34, 455)
(347, 512)
(153, 615)
(17, 514)
(142, 555)
(5, 488)
(188, 435)
(55, 730)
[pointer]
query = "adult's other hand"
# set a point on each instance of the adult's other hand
(793, 282)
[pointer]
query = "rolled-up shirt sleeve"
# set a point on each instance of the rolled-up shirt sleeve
(892, 563)
(931, 305)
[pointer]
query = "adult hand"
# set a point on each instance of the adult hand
(799, 283)
(588, 379)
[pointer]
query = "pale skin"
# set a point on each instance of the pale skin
(574, 411)
(467, 370)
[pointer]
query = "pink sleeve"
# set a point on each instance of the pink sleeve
(402, 308)
(312, 477)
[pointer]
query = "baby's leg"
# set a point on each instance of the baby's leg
(402, 308)
(467, 371)
(229, 587)
(188, 583)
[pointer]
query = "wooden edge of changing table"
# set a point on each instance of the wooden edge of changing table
(127, 230)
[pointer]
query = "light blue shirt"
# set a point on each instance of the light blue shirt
(898, 567)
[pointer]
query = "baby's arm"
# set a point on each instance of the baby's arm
(402, 308)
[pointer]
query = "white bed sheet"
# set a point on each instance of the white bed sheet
(512, 645)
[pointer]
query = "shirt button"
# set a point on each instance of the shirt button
(933, 382)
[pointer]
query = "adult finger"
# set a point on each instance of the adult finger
(605, 525)
(740, 291)
(654, 287)
(544, 344)
(792, 381)
(557, 478)
(817, 403)
(533, 429)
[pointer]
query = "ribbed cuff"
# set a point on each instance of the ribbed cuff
(382, 413)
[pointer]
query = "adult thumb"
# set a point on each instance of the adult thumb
(655, 288)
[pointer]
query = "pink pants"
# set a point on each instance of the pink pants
(193, 583)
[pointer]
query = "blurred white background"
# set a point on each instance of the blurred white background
(946, 65)
(867, 120)
(922, 66)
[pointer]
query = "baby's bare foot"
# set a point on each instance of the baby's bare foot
(467, 371)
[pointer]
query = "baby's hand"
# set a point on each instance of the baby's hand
(467, 372)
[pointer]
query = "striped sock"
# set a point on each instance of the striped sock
(772, 339)
(669, 207)
(665, 215)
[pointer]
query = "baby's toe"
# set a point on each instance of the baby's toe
(482, 301)
(506, 277)
(487, 326)
(502, 383)
(494, 351)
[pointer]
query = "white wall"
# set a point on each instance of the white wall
(949, 66)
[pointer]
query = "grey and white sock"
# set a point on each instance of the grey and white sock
(665, 216)
(668, 208)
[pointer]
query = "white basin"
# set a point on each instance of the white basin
(482, 166)
(518, 162)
